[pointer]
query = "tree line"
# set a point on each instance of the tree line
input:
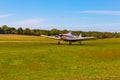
(37, 32)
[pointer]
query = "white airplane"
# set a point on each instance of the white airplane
(70, 37)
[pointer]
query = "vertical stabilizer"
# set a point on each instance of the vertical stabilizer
(80, 35)
(70, 33)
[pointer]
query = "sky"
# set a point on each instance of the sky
(84, 15)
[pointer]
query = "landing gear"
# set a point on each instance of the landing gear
(58, 42)
(70, 43)
(80, 42)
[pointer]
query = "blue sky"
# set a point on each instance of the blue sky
(85, 15)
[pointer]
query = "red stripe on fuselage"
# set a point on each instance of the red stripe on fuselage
(63, 35)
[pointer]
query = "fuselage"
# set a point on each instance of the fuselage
(67, 37)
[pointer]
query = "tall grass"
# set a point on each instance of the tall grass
(45, 60)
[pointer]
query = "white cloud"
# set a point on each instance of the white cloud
(106, 12)
(27, 23)
(113, 27)
(39, 23)
(6, 15)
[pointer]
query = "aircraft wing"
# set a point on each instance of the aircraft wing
(51, 37)
(86, 38)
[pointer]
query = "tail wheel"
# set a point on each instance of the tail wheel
(58, 42)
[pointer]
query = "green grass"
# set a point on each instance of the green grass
(36, 58)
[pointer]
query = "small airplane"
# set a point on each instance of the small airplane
(70, 37)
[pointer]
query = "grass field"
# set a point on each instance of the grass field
(36, 58)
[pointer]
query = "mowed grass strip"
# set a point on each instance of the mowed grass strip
(45, 60)
(21, 38)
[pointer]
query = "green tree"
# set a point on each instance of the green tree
(5, 29)
(11, 30)
(55, 32)
(27, 31)
(20, 30)
(1, 31)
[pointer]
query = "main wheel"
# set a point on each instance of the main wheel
(58, 42)
(80, 43)
(70, 43)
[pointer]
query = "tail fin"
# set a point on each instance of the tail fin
(80, 35)
(71, 33)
